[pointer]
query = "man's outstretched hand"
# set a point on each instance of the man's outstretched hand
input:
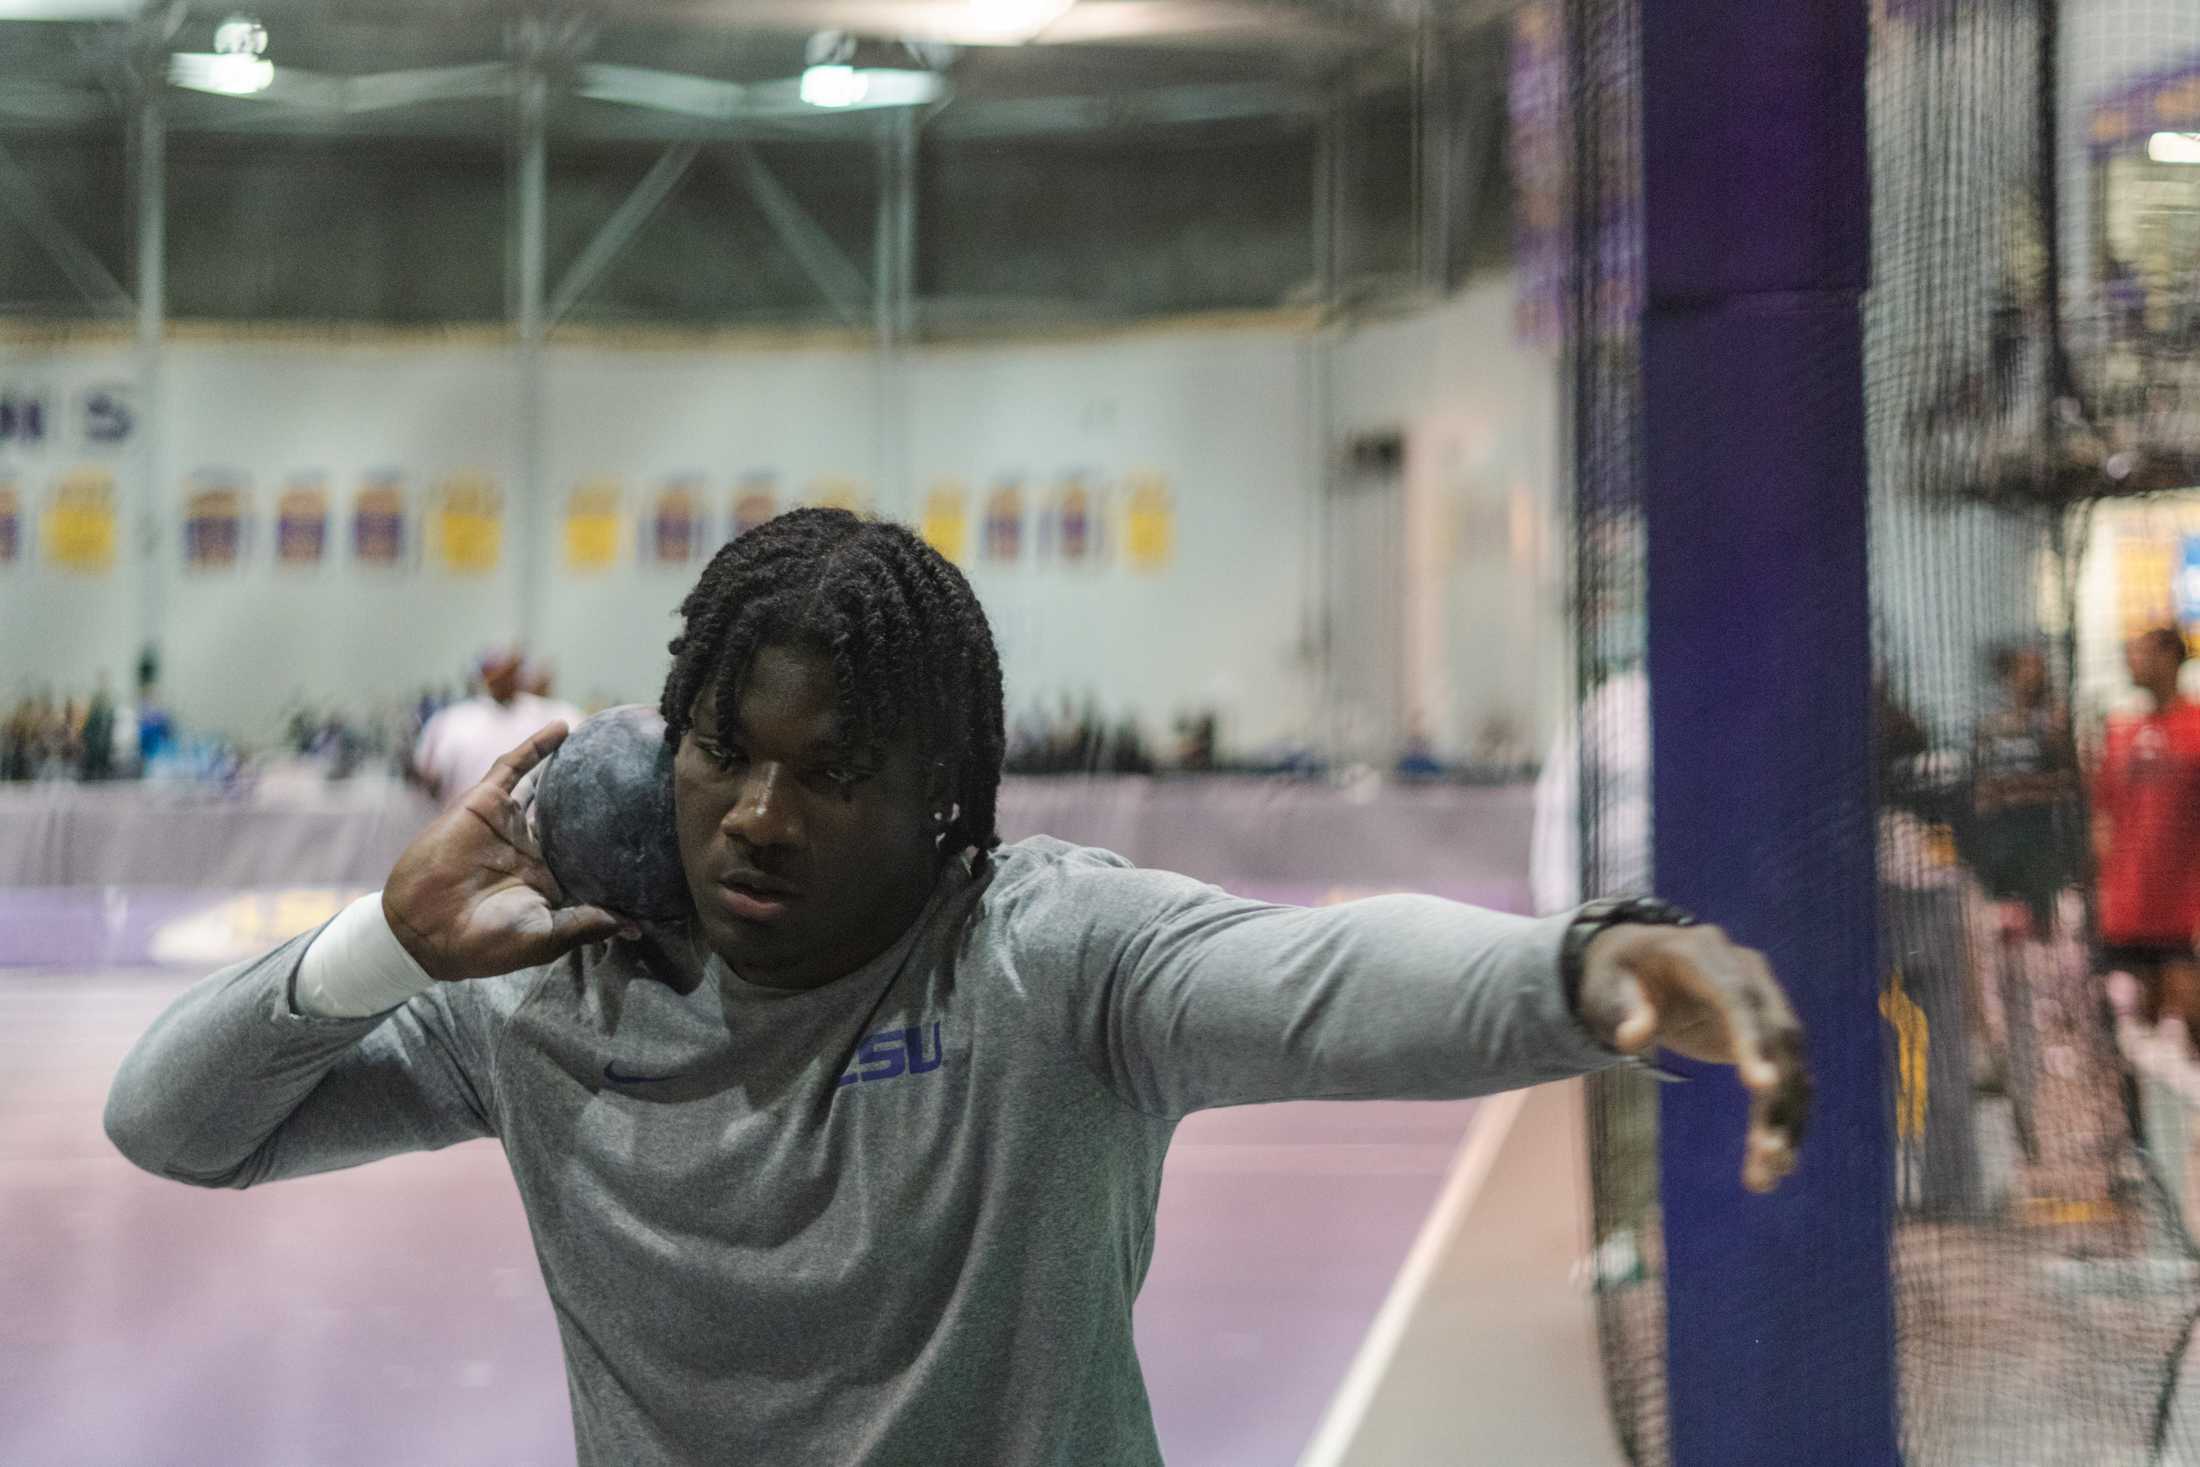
(471, 897)
(1691, 990)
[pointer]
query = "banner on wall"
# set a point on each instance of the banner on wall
(104, 416)
(378, 522)
(676, 524)
(1149, 523)
(11, 523)
(79, 528)
(301, 522)
(22, 415)
(214, 508)
(592, 517)
(1004, 523)
(946, 522)
(1073, 521)
(466, 524)
(755, 500)
(836, 492)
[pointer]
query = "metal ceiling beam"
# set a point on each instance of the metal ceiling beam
(383, 90)
(149, 169)
(1160, 107)
(25, 99)
(661, 91)
(626, 221)
(660, 106)
(893, 280)
(1435, 163)
(530, 233)
(831, 271)
(724, 101)
(25, 202)
(343, 96)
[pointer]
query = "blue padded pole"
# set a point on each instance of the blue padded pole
(1756, 216)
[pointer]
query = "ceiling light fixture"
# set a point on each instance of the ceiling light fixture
(845, 70)
(235, 67)
(834, 86)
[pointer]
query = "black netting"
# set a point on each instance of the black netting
(1592, 45)
(2032, 383)
(2043, 1282)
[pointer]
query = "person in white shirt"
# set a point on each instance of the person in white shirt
(458, 745)
(1615, 719)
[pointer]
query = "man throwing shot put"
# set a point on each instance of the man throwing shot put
(872, 1179)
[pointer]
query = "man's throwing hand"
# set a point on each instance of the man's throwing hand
(1691, 990)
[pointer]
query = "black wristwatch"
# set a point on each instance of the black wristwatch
(1599, 917)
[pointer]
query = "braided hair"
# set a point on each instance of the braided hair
(909, 645)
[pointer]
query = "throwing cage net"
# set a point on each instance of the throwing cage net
(2032, 385)
(1582, 60)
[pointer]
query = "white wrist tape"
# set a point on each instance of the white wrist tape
(357, 967)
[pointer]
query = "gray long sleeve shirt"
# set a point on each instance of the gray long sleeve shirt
(897, 1219)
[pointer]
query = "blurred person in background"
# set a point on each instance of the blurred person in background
(1417, 754)
(1615, 722)
(537, 678)
(42, 736)
(459, 743)
(19, 742)
(2146, 831)
(156, 729)
(1196, 738)
(870, 1177)
(69, 746)
(96, 743)
(2024, 783)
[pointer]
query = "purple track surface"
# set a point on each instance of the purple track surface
(393, 1314)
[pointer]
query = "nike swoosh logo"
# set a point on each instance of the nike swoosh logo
(611, 1073)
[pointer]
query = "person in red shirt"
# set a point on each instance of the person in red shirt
(2147, 833)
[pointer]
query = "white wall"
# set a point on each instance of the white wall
(640, 417)
(1222, 414)
(239, 645)
(1217, 626)
(1488, 635)
(1227, 417)
(56, 626)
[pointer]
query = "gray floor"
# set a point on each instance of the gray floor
(1496, 1366)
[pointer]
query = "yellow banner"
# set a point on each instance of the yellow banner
(592, 520)
(946, 523)
(835, 492)
(11, 523)
(466, 527)
(79, 528)
(1149, 523)
(755, 500)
